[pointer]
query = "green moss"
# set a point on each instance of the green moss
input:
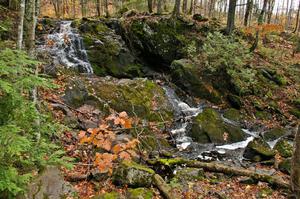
(233, 114)
(284, 148)
(171, 162)
(295, 112)
(139, 193)
(274, 134)
(112, 195)
(131, 164)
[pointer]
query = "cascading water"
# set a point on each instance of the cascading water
(184, 115)
(67, 49)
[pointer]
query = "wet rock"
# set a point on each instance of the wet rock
(185, 75)
(139, 193)
(233, 114)
(50, 184)
(274, 134)
(285, 166)
(107, 52)
(209, 127)
(258, 150)
(76, 93)
(188, 174)
(284, 148)
(133, 175)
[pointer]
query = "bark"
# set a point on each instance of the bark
(231, 16)
(176, 10)
(106, 8)
(260, 22)
(248, 12)
(295, 174)
(184, 6)
(159, 6)
(30, 24)
(150, 6)
(191, 11)
(270, 10)
(163, 187)
(98, 8)
(21, 24)
(229, 170)
(297, 19)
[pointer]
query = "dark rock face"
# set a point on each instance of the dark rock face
(133, 175)
(185, 75)
(107, 52)
(209, 127)
(258, 150)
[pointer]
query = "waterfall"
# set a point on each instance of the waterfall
(66, 48)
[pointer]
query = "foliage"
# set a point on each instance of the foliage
(24, 145)
(223, 54)
(104, 138)
(264, 29)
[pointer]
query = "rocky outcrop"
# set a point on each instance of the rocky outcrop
(258, 150)
(209, 127)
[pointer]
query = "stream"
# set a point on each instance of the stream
(66, 49)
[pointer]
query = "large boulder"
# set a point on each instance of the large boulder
(107, 52)
(274, 134)
(258, 150)
(186, 75)
(284, 148)
(209, 127)
(137, 97)
(133, 175)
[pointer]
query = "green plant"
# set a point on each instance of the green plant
(24, 144)
(224, 54)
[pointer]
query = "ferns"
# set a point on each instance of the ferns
(20, 151)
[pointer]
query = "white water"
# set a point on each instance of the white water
(67, 49)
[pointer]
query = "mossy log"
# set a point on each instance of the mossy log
(230, 170)
(163, 187)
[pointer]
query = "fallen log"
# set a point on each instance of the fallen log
(163, 187)
(229, 170)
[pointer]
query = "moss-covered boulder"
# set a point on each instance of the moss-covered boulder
(284, 148)
(209, 127)
(274, 134)
(186, 75)
(138, 97)
(258, 150)
(233, 114)
(161, 40)
(107, 52)
(188, 174)
(285, 166)
(132, 174)
(139, 193)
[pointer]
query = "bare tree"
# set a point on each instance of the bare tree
(98, 7)
(150, 6)
(30, 24)
(248, 12)
(295, 173)
(159, 6)
(184, 6)
(231, 16)
(21, 24)
(176, 10)
(270, 10)
(297, 19)
(106, 8)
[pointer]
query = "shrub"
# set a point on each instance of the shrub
(224, 54)
(24, 145)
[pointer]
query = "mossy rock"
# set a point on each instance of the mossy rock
(209, 127)
(111, 195)
(274, 134)
(107, 52)
(188, 174)
(76, 93)
(185, 75)
(258, 150)
(285, 166)
(161, 40)
(133, 175)
(138, 97)
(139, 193)
(284, 148)
(233, 114)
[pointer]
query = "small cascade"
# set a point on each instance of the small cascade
(67, 49)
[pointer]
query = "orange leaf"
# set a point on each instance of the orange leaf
(123, 114)
(81, 134)
(124, 155)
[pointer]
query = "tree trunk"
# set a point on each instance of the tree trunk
(287, 15)
(260, 22)
(211, 9)
(21, 25)
(150, 6)
(106, 8)
(192, 7)
(231, 16)
(248, 12)
(176, 11)
(297, 19)
(159, 6)
(270, 11)
(30, 24)
(295, 174)
(184, 6)
(98, 8)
